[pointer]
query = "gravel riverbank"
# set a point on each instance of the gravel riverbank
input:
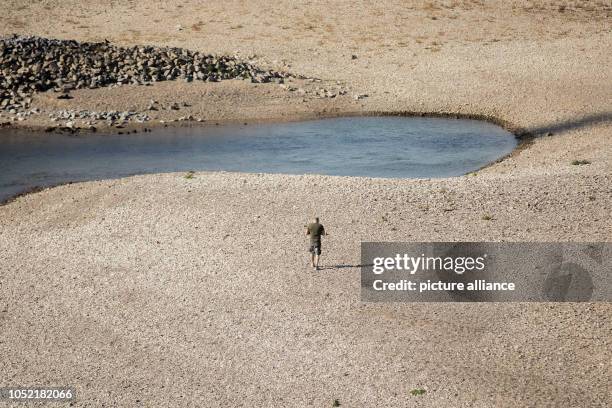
(162, 290)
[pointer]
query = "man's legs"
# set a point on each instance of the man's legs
(317, 252)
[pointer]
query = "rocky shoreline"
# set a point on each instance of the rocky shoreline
(52, 69)
(33, 64)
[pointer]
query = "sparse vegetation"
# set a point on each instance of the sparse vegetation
(336, 403)
(580, 162)
(189, 174)
(417, 391)
(487, 217)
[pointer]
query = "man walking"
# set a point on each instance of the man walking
(315, 229)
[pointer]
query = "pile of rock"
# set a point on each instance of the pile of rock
(34, 64)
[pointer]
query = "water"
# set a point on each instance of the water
(392, 147)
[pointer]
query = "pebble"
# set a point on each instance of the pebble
(90, 118)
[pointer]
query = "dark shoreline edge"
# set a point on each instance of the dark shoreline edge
(520, 133)
(524, 137)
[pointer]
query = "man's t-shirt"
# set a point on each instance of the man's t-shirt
(315, 230)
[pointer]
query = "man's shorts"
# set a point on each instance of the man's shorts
(315, 248)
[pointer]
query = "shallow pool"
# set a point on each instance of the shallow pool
(396, 147)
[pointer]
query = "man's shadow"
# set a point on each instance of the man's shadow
(342, 266)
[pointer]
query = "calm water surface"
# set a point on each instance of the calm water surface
(392, 147)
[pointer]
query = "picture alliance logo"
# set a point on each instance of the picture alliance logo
(488, 271)
(413, 264)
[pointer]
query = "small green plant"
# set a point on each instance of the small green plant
(418, 391)
(580, 162)
(336, 403)
(189, 175)
(487, 217)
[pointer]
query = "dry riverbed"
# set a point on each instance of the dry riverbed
(163, 290)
